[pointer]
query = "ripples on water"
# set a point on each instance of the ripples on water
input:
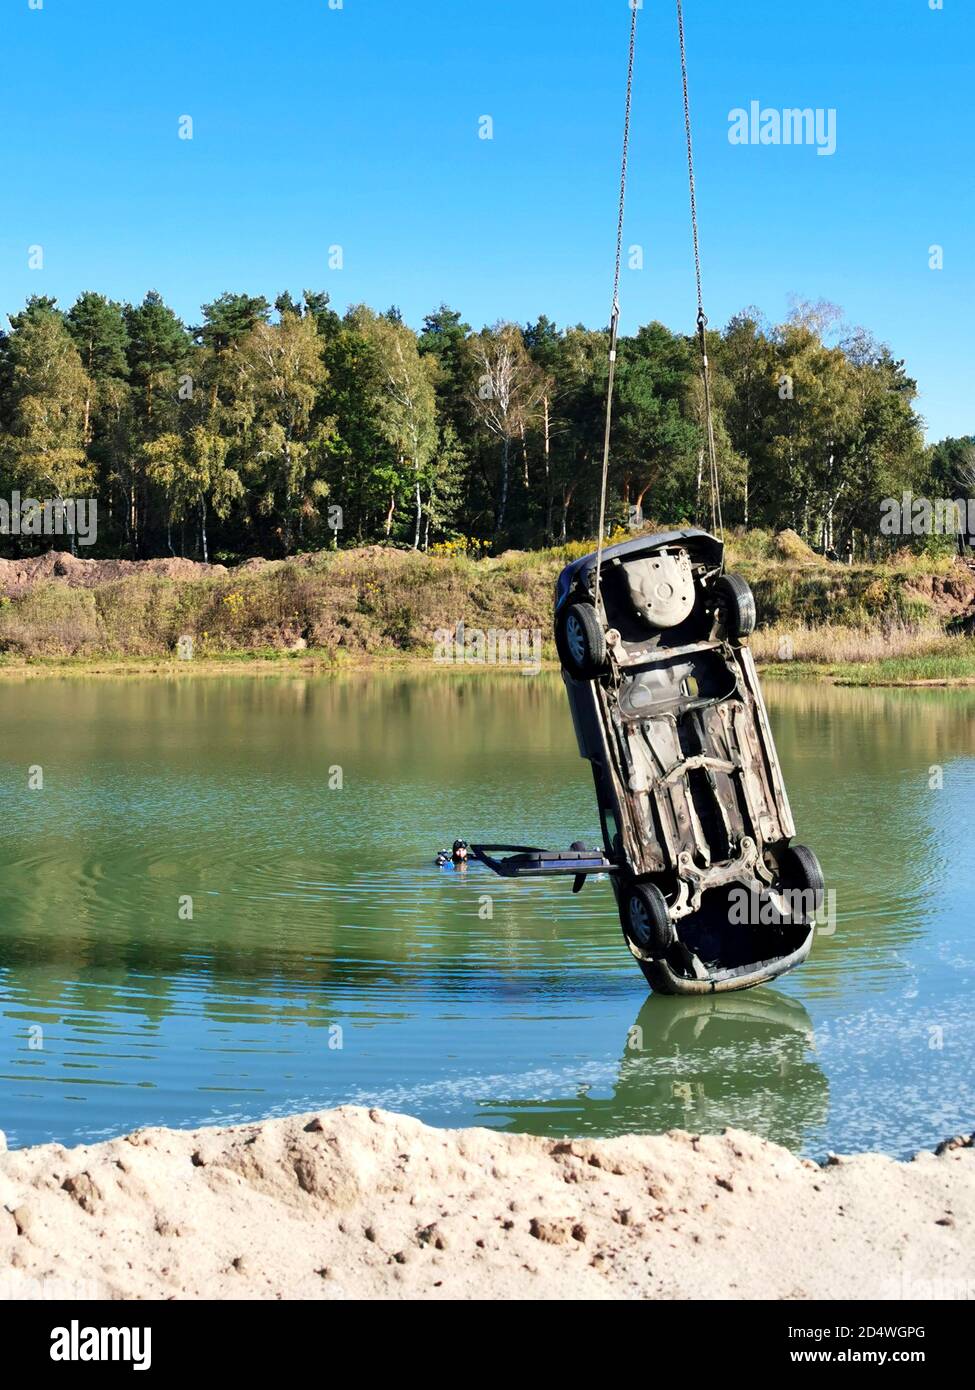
(328, 961)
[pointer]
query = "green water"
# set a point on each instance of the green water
(327, 960)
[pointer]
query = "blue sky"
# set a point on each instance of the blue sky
(358, 127)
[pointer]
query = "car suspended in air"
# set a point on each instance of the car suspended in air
(697, 830)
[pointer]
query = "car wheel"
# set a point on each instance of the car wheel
(646, 921)
(800, 872)
(581, 641)
(734, 605)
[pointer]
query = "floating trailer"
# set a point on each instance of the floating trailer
(667, 707)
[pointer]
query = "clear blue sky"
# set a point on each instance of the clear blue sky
(358, 127)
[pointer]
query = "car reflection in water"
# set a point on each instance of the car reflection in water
(741, 1061)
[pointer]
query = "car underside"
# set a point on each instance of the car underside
(668, 710)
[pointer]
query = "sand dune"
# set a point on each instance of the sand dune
(354, 1203)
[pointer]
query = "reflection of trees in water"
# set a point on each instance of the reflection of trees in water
(434, 715)
(245, 761)
(737, 1060)
(857, 764)
(423, 713)
(882, 727)
(309, 962)
(152, 977)
(143, 768)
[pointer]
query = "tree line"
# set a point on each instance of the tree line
(273, 429)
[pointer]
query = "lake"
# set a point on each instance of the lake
(221, 904)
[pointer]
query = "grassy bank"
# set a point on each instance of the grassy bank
(953, 665)
(885, 622)
(363, 603)
(955, 668)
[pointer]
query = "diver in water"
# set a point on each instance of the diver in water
(457, 856)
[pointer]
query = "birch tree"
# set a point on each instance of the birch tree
(507, 390)
(279, 376)
(409, 416)
(48, 388)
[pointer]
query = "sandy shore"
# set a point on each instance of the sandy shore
(355, 1203)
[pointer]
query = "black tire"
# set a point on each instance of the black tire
(581, 641)
(646, 921)
(734, 604)
(801, 872)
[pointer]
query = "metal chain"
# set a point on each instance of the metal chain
(615, 319)
(702, 320)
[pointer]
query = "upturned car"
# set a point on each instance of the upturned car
(698, 835)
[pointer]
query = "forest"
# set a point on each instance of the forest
(276, 429)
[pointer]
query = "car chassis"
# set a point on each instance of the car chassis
(668, 710)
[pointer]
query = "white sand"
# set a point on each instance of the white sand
(361, 1203)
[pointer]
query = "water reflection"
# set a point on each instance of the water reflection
(745, 1061)
(461, 998)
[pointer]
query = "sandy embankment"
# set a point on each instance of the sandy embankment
(361, 1203)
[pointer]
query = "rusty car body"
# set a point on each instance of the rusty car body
(696, 824)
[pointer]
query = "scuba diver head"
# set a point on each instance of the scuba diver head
(458, 855)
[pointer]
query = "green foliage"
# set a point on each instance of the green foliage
(275, 432)
(43, 440)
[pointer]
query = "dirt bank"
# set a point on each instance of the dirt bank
(361, 1203)
(365, 602)
(379, 602)
(17, 577)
